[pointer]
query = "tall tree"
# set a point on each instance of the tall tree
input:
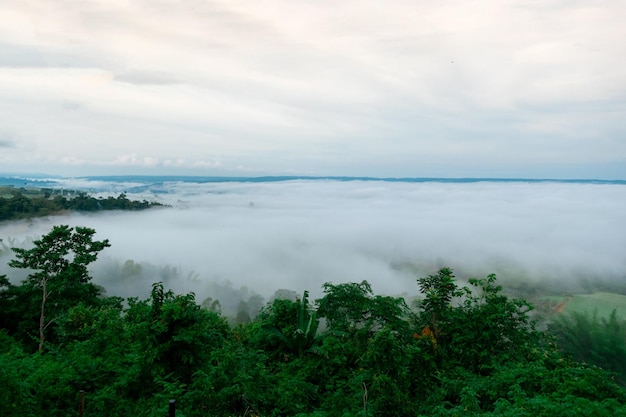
(59, 262)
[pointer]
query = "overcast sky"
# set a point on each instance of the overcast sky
(499, 88)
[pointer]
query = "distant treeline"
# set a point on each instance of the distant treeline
(22, 203)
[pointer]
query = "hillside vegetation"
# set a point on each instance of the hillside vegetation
(459, 351)
(22, 203)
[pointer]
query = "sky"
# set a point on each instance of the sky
(498, 88)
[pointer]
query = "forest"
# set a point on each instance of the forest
(26, 203)
(461, 348)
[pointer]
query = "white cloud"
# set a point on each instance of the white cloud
(132, 159)
(207, 164)
(315, 86)
(72, 161)
(8, 139)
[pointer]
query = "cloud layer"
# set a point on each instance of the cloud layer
(300, 234)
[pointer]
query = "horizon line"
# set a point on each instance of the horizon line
(278, 178)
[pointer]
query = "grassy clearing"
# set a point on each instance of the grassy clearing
(603, 302)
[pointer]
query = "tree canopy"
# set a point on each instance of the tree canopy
(21, 203)
(58, 262)
(461, 349)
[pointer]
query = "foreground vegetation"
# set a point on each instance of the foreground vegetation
(460, 351)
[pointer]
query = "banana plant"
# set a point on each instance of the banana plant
(302, 337)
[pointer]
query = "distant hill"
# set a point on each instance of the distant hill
(26, 203)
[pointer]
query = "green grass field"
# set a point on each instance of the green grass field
(602, 302)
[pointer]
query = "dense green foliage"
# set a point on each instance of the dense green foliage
(460, 351)
(27, 203)
(59, 279)
(595, 340)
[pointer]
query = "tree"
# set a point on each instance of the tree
(5, 301)
(297, 329)
(353, 307)
(595, 340)
(484, 329)
(183, 334)
(59, 261)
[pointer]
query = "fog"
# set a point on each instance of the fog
(300, 234)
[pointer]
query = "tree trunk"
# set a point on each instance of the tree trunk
(42, 317)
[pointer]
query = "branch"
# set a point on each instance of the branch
(49, 323)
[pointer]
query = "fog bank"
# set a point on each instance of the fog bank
(300, 234)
